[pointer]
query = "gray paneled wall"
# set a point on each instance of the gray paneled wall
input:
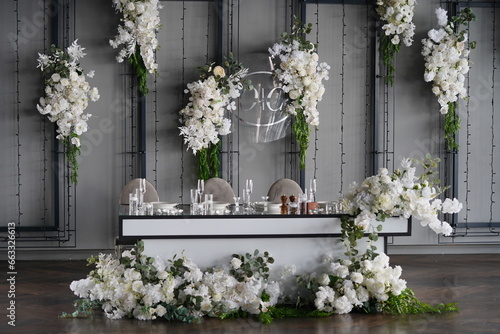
(409, 120)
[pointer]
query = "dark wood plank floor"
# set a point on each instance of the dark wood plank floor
(473, 281)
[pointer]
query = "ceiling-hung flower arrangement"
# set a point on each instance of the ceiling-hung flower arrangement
(446, 54)
(398, 29)
(137, 32)
(66, 97)
(204, 117)
(301, 76)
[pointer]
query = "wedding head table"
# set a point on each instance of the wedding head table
(301, 241)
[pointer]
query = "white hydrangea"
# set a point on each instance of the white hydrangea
(368, 279)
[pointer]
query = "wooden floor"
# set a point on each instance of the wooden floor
(473, 281)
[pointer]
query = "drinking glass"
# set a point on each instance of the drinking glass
(209, 204)
(133, 204)
(194, 201)
(148, 209)
(236, 208)
(265, 201)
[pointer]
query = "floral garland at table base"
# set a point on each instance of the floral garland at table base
(147, 288)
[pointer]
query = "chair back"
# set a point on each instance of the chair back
(151, 195)
(221, 189)
(287, 187)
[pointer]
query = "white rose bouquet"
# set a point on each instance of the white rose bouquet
(66, 97)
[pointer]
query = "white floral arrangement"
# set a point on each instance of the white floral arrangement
(147, 288)
(67, 94)
(204, 118)
(405, 194)
(399, 28)
(301, 75)
(446, 54)
(137, 32)
(345, 285)
(399, 17)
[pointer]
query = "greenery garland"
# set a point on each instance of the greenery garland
(137, 63)
(388, 51)
(209, 162)
(451, 127)
(301, 131)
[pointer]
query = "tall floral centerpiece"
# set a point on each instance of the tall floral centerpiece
(398, 28)
(66, 97)
(301, 76)
(137, 32)
(203, 118)
(445, 53)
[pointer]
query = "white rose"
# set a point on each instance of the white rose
(219, 71)
(294, 94)
(236, 263)
(130, 6)
(55, 77)
(324, 280)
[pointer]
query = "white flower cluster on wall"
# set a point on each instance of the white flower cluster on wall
(301, 75)
(399, 28)
(204, 117)
(446, 64)
(67, 94)
(137, 32)
(446, 52)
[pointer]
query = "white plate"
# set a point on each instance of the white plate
(164, 206)
(219, 206)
